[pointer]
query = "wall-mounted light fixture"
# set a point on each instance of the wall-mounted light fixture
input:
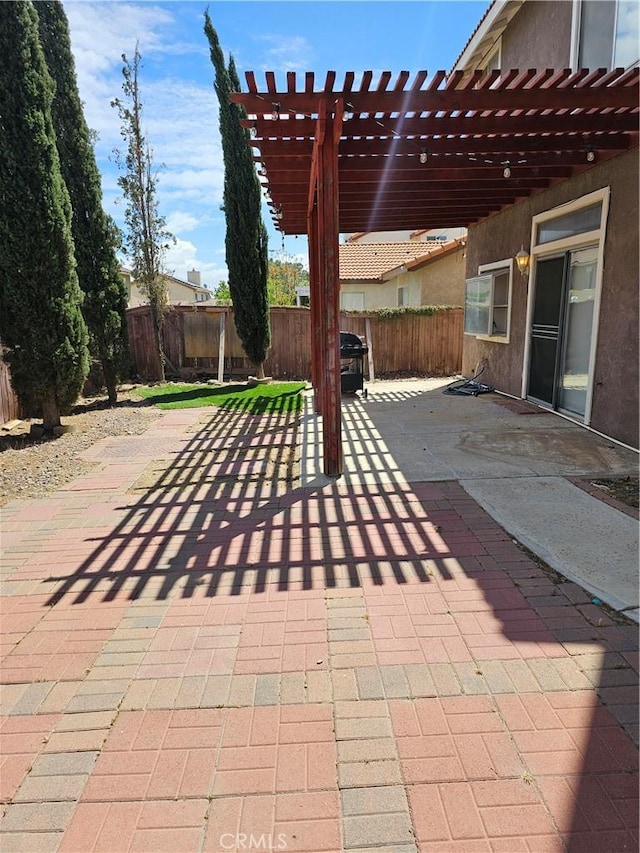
(424, 156)
(506, 172)
(591, 155)
(522, 260)
(275, 115)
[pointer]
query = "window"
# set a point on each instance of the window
(606, 33)
(402, 296)
(487, 302)
(576, 222)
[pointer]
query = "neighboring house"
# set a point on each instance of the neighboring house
(440, 235)
(565, 334)
(409, 273)
(179, 291)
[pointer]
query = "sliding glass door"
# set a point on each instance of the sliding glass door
(573, 376)
(561, 336)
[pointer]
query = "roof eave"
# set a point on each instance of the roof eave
(491, 26)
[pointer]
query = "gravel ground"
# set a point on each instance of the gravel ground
(31, 467)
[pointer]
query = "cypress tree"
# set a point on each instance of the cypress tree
(95, 235)
(246, 237)
(41, 324)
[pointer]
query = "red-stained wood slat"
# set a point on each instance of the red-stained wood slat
(401, 81)
(383, 82)
(349, 78)
(366, 81)
(436, 80)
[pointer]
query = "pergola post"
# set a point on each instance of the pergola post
(329, 288)
(315, 305)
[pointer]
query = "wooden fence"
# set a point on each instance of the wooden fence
(9, 406)
(404, 343)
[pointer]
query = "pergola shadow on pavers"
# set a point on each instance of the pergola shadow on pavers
(200, 649)
(418, 153)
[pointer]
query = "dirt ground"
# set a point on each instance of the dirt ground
(31, 467)
(624, 489)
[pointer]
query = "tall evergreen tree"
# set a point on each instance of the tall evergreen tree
(95, 235)
(146, 236)
(41, 323)
(246, 237)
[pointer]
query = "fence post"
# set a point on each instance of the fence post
(223, 315)
(367, 328)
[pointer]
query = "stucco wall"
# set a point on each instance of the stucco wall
(177, 293)
(443, 280)
(539, 36)
(615, 400)
(411, 282)
(376, 294)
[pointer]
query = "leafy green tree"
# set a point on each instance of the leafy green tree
(95, 235)
(222, 294)
(283, 280)
(41, 323)
(246, 237)
(146, 237)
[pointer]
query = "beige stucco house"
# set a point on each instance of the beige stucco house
(409, 273)
(179, 291)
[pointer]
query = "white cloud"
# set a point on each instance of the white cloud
(286, 54)
(100, 34)
(180, 221)
(179, 119)
(183, 256)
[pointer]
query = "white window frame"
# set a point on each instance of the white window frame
(555, 247)
(493, 269)
(576, 21)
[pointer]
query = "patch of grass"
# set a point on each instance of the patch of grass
(274, 398)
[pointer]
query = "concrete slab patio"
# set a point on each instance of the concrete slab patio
(203, 651)
(519, 462)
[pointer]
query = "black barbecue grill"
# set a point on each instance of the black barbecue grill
(352, 353)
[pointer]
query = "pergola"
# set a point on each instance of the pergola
(417, 154)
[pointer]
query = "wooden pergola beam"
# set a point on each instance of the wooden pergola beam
(270, 150)
(581, 122)
(449, 100)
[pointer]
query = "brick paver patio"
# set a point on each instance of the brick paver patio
(201, 655)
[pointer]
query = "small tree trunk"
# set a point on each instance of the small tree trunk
(157, 333)
(50, 412)
(110, 382)
(110, 376)
(259, 371)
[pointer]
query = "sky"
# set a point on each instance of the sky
(180, 107)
